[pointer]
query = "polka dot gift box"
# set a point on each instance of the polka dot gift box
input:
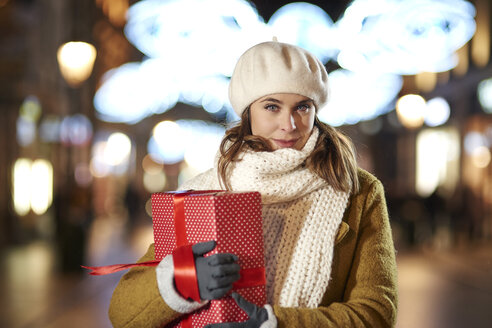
(233, 220)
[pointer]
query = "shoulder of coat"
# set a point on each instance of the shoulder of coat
(366, 179)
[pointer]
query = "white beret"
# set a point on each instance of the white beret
(275, 67)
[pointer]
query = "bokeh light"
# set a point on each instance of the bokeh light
(25, 131)
(481, 157)
(32, 186)
(134, 91)
(484, 92)
(30, 109)
(118, 149)
(168, 142)
(437, 160)
(21, 186)
(41, 186)
(204, 141)
(49, 129)
(111, 154)
(305, 25)
(76, 60)
(194, 141)
(219, 29)
(404, 37)
(98, 167)
(359, 96)
(150, 166)
(76, 130)
(437, 112)
(411, 110)
(154, 182)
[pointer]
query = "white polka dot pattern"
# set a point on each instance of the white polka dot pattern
(234, 220)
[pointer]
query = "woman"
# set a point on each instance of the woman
(330, 260)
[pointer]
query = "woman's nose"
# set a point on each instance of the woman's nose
(287, 122)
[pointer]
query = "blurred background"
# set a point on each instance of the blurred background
(103, 102)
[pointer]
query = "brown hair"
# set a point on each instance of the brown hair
(333, 157)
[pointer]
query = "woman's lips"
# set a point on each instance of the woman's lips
(285, 143)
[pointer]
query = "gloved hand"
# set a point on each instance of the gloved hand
(257, 315)
(215, 273)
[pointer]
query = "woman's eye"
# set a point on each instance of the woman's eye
(271, 107)
(303, 108)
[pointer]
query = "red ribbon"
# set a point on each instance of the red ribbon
(179, 219)
(183, 258)
(185, 272)
(250, 278)
(107, 269)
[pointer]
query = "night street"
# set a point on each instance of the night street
(448, 288)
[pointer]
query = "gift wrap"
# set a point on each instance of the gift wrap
(233, 220)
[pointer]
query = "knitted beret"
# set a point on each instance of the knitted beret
(275, 67)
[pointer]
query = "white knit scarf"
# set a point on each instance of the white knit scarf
(301, 216)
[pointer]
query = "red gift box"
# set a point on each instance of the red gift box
(233, 220)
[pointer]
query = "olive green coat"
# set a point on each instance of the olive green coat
(362, 290)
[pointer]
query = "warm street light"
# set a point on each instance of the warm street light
(76, 60)
(410, 110)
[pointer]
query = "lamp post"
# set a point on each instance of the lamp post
(76, 61)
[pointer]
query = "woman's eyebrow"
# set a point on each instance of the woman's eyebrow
(271, 100)
(306, 101)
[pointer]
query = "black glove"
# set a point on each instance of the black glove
(215, 273)
(257, 315)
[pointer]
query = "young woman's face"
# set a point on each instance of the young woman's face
(284, 119)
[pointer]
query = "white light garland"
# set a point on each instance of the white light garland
(192, 47)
